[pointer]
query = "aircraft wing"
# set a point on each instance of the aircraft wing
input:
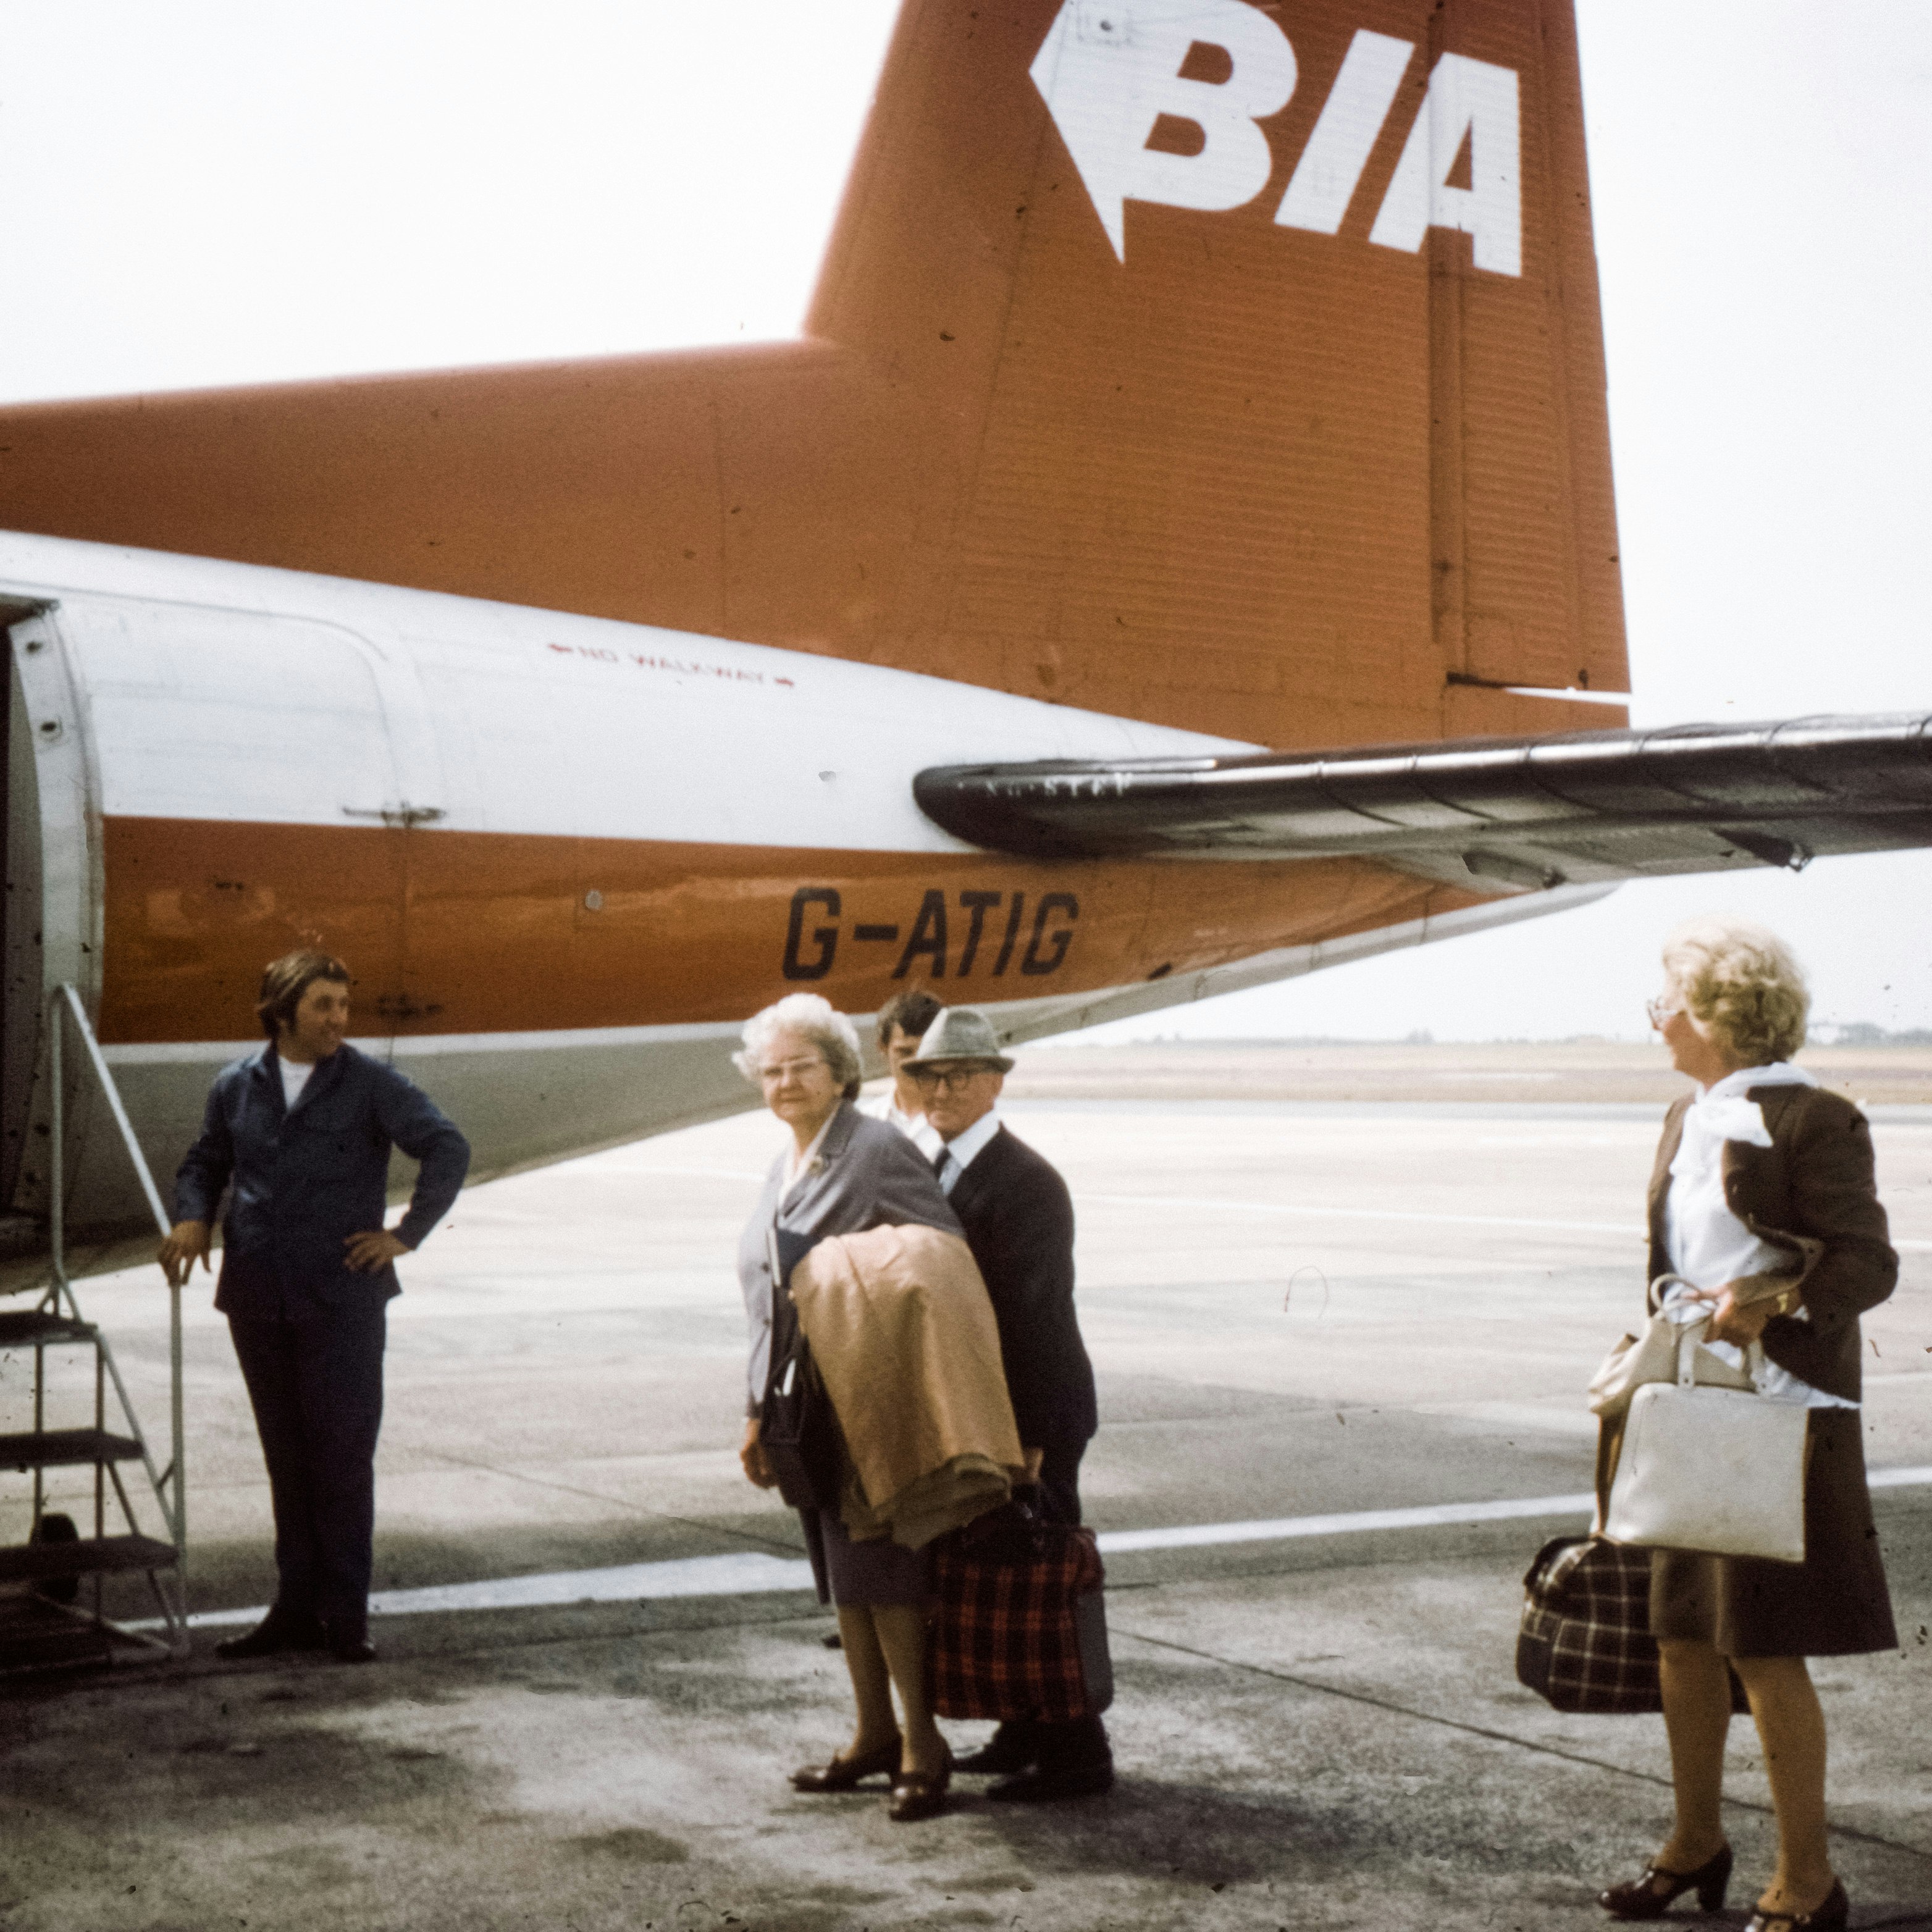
(1524, 813)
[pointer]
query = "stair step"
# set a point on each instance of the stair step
(33, 1562)
(25, 1326)
(35, 1637)
(66, 1448)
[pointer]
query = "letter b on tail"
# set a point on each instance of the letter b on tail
(1109, 70)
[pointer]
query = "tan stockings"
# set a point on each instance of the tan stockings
(1791, 1730)
(885, 1650)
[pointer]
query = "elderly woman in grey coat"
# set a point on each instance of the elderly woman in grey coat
(840, 1173)
(1763, 1173)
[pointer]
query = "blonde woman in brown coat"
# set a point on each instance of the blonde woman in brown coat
(1760, 1157)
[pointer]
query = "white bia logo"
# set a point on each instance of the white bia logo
(1109, 70)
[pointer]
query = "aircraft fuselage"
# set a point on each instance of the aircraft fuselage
(565, 856)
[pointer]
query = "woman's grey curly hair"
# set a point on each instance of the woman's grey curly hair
(812, 1018)
(1743, 984)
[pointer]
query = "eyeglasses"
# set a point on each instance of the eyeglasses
(954, 1079)
(789, 1070)
(1662, 1011)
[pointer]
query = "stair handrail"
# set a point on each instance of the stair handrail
(170, 1486)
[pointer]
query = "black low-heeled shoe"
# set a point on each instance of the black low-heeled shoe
(1641, 1899)
(920, 1794)
(842, 1774)
(281, 1633)
(1831, 1916)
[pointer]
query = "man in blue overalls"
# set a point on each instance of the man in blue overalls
(301, 1132)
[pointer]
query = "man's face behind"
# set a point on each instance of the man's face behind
(321, 1022)
(899, 1049)
(957, 1093)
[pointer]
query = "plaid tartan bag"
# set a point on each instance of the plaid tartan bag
(1019, 1627)
(1584, 1641)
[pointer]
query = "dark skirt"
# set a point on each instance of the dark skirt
(878, 1574)
(1835, 1603)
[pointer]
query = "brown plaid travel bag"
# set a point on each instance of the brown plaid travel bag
(1019, 1626)
(1584, 1643)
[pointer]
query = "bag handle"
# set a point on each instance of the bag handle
(1689, 1339)
(1745, 1291)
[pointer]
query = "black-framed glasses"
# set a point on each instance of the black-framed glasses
(954, 1079)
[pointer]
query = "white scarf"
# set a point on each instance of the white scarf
(1723, 1111)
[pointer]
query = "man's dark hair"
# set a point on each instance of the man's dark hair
(915, 1010)
(285, 980)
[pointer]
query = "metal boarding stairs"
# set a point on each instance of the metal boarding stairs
(52, 1564)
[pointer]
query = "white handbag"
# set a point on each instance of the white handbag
(1717, 1470)
(1651, 1357)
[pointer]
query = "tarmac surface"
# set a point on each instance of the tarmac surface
(1297, 1309)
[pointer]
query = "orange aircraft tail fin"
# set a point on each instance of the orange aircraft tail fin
(1233, 367)
(1274, 334)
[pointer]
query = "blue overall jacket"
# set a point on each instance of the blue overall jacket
(304, 1181)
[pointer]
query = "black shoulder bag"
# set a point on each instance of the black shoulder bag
(796, 1425)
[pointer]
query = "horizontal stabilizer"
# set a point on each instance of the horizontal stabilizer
(1511, 813)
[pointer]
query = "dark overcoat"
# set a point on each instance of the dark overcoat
(1018, 1220)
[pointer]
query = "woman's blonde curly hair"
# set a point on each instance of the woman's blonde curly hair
(1743, 984)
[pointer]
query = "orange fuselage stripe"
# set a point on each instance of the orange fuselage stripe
(460, 932)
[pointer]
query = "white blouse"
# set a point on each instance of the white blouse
(799, 1163)
(1707, 1243)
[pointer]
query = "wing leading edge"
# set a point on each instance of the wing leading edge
(1522, 813)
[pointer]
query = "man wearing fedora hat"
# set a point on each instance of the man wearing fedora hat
(1019, 1221)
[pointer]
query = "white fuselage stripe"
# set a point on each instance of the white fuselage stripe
(233, 693)
(754, 1573)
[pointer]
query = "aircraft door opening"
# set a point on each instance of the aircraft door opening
(21, 975)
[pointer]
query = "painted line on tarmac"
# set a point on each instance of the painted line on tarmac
(743, 1573)
(753, 1573)
(1281, 1529)
(1427, 1515)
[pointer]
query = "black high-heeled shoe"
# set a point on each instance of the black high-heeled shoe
(1641, 1899)
(1831, 1916)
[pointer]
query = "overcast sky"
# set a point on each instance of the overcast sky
(205, 193)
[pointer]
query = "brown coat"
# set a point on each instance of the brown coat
(1815, 1180)
(902, 1330)
(1811, 1191)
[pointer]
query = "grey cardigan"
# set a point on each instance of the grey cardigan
(865, 1175)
